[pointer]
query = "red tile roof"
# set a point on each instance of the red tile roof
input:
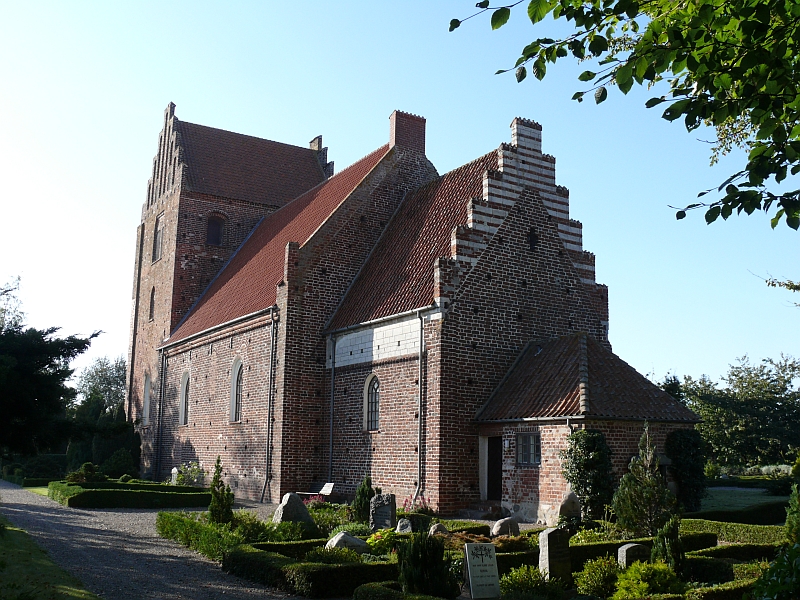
(545, 382)
(247, 283)
(398, 276)
(243, 167)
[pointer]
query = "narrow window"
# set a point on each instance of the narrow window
(183, 408)
(214, 231)
(152, 303)
(236, 400)
(158, 237)
(146, 401)
(529, 449)
(372, 404)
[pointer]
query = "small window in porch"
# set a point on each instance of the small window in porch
(529, 449)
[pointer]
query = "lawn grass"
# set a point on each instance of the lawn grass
(42, 491)
(722, 499)
(26, 572)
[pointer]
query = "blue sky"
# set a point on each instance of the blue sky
(84, 86)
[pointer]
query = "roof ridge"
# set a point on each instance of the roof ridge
(253, 137)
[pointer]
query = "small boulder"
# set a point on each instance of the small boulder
(438, 528)
(570, 506)
(507, 526)
(345, 540)
(292, 509)
(404, 526)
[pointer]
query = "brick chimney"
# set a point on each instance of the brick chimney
(407, 131)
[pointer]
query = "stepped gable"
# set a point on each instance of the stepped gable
(399, 274)
(243, 167)
(248, 282)
(555, 378)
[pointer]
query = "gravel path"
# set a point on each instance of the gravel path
(117, 553)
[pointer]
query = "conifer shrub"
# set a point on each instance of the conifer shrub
(87, 473)
(119, 463)
(221, 508)
(641, 580)
(792, 526)
(529, 581)
(684, 447)
(424, 569)
(125, 478)
(598, 577)
(667, 545)
(642, 503)
(364, 493)
(586, 465)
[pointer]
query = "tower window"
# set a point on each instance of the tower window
(372, 404)
(158, 237)
(214, 231)
(183, 408)
(237, 387)
(146, 401)
(152, 303)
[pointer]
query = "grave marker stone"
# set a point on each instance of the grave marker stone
(554, 559)
(382, 512)
(174, 479)
(630, 553)
(484, 581)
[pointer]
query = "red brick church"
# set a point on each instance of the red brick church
(441, 333)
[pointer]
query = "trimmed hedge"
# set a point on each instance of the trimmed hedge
(475, 529)
(386, 590)
(735, 532)
(209, 540)
(743, 552)
(38, 481)
(581, 553)
(15, 479)
(313, 580)
(732, 590)
(150, 487)
(767, 513)
(75, 496)
(513, 560)
(292, 549)
(705, 569)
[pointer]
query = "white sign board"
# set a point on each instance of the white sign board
(482, 570)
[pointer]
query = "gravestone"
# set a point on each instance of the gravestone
(382, 512)
(481, 560)
(507, 526)
(174, 479)
(292, 508)
(571, 506)
(554, 559)
(344, 539)
(404, 526)
(630, 553)
(438, 528)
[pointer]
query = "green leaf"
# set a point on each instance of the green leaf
(538, 9)
(521, 74)
(598, 45)
(454, 24)
(776, 219)
(500, 17)
(624, 77)
(654, 102)
(600, 94)
(482, 4)
(712, 214)
(578, 96)
(586, 76)
(793, 222)
(681, 214)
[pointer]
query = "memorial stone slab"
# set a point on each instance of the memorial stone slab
(344, 539)
(630, 553)
(404, 526)
(438, 528)
(174, 479)
(292, 508)
(554, 559)
(382, 512)
(507, 526)
(481, 560)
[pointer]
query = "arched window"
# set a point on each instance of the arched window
(152, 303)
(237, 385)
(372, 403)
(183, 406)
(146, 401)
(214, 231)
(158, 237)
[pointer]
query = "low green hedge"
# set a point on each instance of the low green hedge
(76, 496)
(513, 560)
(581, 553)
(732, 590)
(735, 532)
(386, 590)
(210, 540)
(313, 580)
(38, 481)
(292, 549)
(753, 481)
(743, 552)
(767, 513)
(151, 487)
(471, 529)
(532, 532)
(707, 570)
(15, 479)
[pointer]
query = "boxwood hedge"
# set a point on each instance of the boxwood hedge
(209, 540)
(767, 513)
(76, 496)
(743, 552)
(735, 532)
(732, 590)
(292, 549)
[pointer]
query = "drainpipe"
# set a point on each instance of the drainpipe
(162, 387)
(273, 343)
(418, 491)
(332, 339)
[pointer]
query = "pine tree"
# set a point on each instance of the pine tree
(221, 508)
(643, 504)
(667, 545)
